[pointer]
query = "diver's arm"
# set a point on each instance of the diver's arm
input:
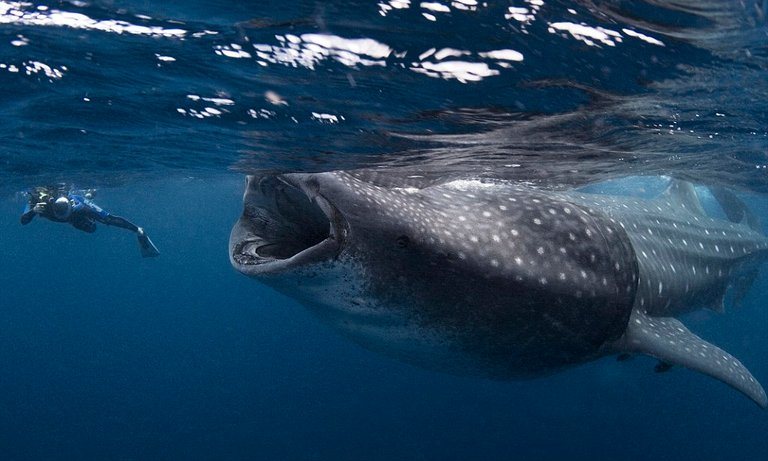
(27, 216)
(30, 212)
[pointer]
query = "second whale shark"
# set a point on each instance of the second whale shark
(497, 279)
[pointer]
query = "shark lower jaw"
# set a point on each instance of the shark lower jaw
(284, 227)
(246, 258)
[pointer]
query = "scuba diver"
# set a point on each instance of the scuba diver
(61, 204)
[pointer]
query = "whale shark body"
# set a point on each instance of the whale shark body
(501, 280)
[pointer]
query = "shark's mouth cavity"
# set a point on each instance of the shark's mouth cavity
(285, 224)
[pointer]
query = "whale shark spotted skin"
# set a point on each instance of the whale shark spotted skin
(497, 279)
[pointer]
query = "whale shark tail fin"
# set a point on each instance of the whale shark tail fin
(148, 249)
(668, 340)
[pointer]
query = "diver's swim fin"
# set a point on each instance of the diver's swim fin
(148, 249)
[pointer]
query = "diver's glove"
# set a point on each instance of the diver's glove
(39, 207)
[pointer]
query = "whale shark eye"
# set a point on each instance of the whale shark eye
(402, 241)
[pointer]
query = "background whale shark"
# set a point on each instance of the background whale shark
(499, 279)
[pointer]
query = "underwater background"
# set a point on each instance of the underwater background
(164, 106)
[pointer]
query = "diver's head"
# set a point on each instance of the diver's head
(62, 208)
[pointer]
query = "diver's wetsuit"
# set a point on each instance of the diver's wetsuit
(84, 216)
(81, 213)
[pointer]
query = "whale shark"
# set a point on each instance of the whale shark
(499, 279)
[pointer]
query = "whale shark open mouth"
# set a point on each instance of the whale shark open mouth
(285, 223)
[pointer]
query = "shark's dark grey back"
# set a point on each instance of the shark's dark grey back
(687, 259)
(548, 283)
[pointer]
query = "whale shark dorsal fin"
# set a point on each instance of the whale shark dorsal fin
(682, 194)
(735, 208)
(668, 340)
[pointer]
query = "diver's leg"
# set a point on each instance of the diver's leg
(117, 221)
(84, 224)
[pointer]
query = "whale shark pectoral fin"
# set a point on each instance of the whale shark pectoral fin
(742, 285)
(668, 340)
(718, 304)
(682, 194)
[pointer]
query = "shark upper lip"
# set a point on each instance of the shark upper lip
(291, 225)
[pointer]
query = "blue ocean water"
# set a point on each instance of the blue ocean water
(164, 106)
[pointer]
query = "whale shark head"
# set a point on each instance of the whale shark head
(284, 226)
(515, 282)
